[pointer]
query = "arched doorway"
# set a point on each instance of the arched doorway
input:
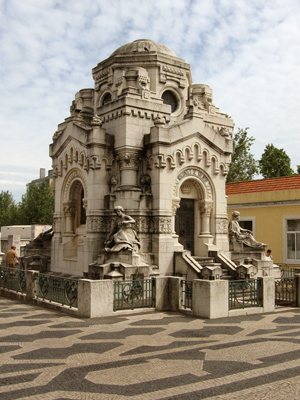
(184, 223)
(193, 218)
(75, 208)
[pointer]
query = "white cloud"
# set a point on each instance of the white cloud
(247, 51)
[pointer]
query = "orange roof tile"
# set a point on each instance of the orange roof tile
(264, 185)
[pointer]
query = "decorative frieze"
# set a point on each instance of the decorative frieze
(98, 224)
(162, 225)
(172, 70)
(143, 224)
(56, 225)
(221, 226)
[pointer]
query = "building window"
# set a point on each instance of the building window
(170, 98)
(106, 98)
(293, 239)
(246, 225)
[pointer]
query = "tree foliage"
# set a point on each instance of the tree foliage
(37, 205)
(274, 163)
(243, 166)
(8, 209)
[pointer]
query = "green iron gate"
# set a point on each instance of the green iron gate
(133, 294)
(245, 293)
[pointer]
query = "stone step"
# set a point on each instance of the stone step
(202, 260)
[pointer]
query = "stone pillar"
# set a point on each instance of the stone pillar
(268, 293)
(297, 282)
(205, 207)
(129, 164)
(30, 284)
(95, 298)
(167, 293)
(210, 298)
(175, 206)
(69, 210)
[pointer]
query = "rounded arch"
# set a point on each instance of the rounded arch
(75, 175)
(106, 98)
(199, 178)
(74, 195)
(195, 201)
(215, 164)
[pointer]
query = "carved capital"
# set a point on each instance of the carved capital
(69, 207)
(205, 207)
(175, 205)
(128, 160)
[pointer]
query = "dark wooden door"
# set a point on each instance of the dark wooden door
(184, 224)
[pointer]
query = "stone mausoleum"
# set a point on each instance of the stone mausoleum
(148, 140)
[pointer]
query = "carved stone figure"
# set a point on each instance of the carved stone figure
(146, 184)
(97, 121)
(43, 237)
(242, 235)
(122, 235)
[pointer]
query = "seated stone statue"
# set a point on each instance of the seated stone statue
(242, 235)
(122, 235)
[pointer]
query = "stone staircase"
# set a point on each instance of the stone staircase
(210, 269)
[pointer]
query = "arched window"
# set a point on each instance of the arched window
(171, 99)
(106, 98)
(82, 209)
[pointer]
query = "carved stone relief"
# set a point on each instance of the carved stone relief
(221, 226)
(97, 225)
(162, 225)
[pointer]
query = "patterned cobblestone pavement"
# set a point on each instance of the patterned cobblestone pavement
(157, 355)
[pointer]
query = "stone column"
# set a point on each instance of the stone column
(175, 206)
(69, 210)
(129, 164)
(205, 207)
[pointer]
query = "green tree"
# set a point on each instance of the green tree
(274, 163)
(298, 169)
(243, 166)
(37, 205)
(8, 209)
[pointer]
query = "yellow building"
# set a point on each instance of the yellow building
(271, 209)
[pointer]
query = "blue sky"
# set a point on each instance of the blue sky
(248, 51)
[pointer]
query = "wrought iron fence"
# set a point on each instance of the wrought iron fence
(58, 289)
(285, 292)
(287, 271)
(187, 294)
(133, 294)
(13, 279)
(245, 293)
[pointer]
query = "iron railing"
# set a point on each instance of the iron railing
(13, 279)
(132, 294)
(58, 289)
(245, 293)
(287, 271)
(285, 292)
(187, 294)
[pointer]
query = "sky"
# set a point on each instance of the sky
(247, 51)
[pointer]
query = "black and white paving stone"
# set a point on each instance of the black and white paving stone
(158, 355)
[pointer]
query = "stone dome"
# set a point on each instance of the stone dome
(143, 46)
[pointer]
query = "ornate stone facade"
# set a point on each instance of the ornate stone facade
(147, 139)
